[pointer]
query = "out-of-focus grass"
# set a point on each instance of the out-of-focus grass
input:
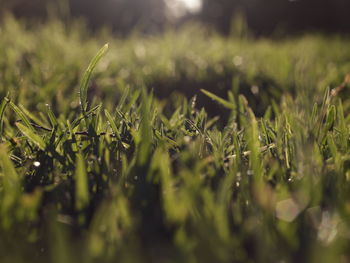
(140, 173)
(48, 60)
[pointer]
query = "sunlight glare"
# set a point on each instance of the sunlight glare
(192, 5)
(181, 7)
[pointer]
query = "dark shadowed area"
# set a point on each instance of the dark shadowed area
(264, 17)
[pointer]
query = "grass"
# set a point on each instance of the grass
(256, 168)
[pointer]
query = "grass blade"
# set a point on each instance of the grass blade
(331, 115)
(77, 121)
(145, 131)
(32, 116)
(11, 185)
(87, 76)
(11, 178)
(81, 184)
(52, 118)
(219, 100)
(3, 105)
(21, 115)
(30, 134)
(342, 126)
(112, 123)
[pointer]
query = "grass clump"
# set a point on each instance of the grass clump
(141, 178)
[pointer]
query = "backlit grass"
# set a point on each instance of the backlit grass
(122, 164)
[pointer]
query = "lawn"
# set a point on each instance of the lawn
(181, 147)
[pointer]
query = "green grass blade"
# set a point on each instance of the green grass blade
(81, 184)
(112, 124)
(314, 113)
(11, 178)
(123, 98)
(252, 135)
(331, 115)
(219, 100)
(11, 185)
(77, 121)
(145, 131)
(326, 99)
(32, 116)
(87, 76)
(21, 115)
(32, 136)
(342, 126)
(52, 117)
(3, 106)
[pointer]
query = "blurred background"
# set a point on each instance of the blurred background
(263, 17)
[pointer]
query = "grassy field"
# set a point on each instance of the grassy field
(184, 147)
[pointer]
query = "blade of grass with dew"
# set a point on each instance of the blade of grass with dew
(87, 76)
(32, 136)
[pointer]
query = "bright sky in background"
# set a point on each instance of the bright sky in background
(181, 7)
